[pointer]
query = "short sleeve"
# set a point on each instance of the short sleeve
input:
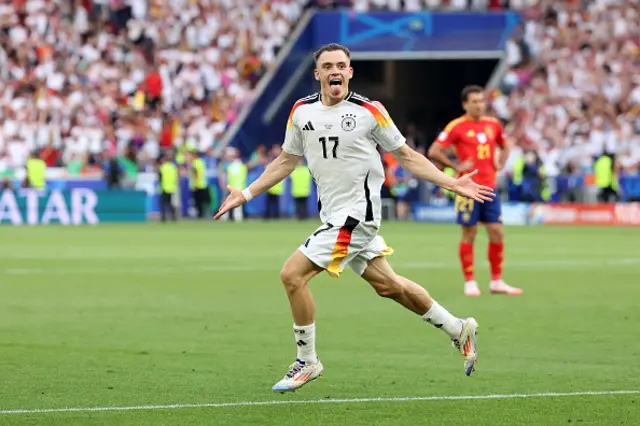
(447, 137)
(385, 133)
(293, 143)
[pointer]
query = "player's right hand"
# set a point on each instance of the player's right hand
(466, 187)
(233, 200)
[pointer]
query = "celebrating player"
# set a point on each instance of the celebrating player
(337, 131)
(475, 137)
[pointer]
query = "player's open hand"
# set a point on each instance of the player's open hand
(233, 200)
(466, 187)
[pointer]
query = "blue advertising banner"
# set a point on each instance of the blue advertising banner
(515, 213)
(512, 213)
(429, 213)
(71, 207)
(415, 32)
(60, 184)
(630, 186)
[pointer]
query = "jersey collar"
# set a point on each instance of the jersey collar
(346, 98)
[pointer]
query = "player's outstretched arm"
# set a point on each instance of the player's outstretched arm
(275, 171)
(418, 165)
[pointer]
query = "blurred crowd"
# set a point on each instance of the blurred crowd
(93, 85)
(572, 92)
(84, 81)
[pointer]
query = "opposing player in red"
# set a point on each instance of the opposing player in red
(475, 138)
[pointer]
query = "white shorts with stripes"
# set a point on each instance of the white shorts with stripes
(334, 246)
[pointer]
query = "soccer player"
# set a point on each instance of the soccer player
(475, 137)
(338, 132)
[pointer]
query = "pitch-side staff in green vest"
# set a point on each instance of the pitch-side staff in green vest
(198, 183)
(235, 173)
(300, 189)
(36, 172)
(272, 210)
(605, 170)
(169, 180)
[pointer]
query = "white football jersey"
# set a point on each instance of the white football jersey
(339, 143)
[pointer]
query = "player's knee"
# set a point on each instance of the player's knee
(392, 288)
(290, 278)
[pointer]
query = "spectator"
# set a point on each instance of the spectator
(134, 76)
(7, 185)
(533, 176)
(259, 158)
(301, 189)
(113, 172)
(272, 210)
(573, 64)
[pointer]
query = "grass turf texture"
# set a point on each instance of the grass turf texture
(129, 315)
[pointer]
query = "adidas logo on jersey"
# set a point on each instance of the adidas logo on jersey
(308, 126)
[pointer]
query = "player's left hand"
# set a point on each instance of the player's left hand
(468, 188)
(233, 200)
(499, 162)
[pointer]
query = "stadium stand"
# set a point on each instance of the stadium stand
(83, 81)
(86, 80)
(572, 91)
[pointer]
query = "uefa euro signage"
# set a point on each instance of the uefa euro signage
(71, 207)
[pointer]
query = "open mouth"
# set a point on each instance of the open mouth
(335, 82)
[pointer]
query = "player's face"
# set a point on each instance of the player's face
(475, 105)
(333, 71)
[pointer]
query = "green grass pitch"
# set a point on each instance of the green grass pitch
(193, 313)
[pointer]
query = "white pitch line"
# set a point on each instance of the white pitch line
(323, 401)
(523, 264)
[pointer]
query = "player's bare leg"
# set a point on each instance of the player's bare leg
(495, 232)
(465, 251)
(387, 283)
(415, 298)
(295, 275)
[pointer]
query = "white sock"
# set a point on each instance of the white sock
(306, 341)
(439, 317)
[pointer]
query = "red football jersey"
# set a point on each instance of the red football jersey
(476, 140)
